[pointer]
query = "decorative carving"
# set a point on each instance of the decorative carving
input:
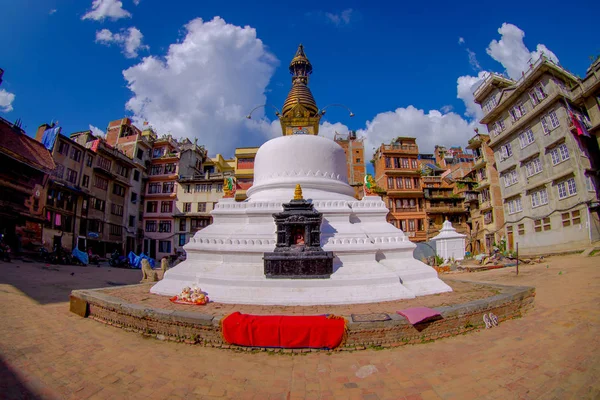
(148, 274)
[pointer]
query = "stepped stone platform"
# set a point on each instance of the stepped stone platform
(134, 309)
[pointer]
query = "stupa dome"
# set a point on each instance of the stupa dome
(316, 163)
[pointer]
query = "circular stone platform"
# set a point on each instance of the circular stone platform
(369, 325)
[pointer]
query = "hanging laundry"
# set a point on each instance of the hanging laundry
(58, 220)
(579, 125)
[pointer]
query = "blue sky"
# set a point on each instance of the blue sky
(392, 64)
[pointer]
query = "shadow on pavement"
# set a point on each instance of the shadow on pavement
(11, 386)
(46, 283)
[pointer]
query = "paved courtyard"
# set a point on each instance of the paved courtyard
(48, 353)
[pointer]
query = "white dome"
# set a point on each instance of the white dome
(316, 163)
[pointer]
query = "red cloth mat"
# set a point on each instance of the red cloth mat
(318, 332)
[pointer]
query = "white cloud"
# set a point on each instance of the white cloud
(101, 9)
(96, 131)
(473, 60)
(52, 11)
(342, 18)
(461, 40)
(446, 109)
(465, 86)
(130, 40)
(205, 86)
(136, 2)
(511, 52)
(6, 99)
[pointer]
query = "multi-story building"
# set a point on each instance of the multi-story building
(442, 203)
(65, 196)
(397, 172)
(25, 166)
(587, 96)
(244, 170)
(200, 188)
(355, 160)
(488, 229)
(160, 200)
(466, 187)
(541, 166)
(453, 159)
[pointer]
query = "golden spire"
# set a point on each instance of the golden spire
(300, 112)
(298, 193)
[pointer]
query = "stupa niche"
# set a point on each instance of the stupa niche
(372, 260)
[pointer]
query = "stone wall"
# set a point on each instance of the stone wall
(204, 329)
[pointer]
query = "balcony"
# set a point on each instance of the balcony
(479, 162)
(401, 148)
(401, 210)
(445, 209)
(469, 197)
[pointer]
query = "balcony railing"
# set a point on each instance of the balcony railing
(448, 209)
(411, 148)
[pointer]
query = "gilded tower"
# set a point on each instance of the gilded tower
(300, 114)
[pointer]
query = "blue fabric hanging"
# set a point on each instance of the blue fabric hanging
(49, 137)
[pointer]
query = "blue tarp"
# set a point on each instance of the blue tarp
(136, 261)
(50, 137)
(80, 255)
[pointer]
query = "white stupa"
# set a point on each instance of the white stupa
(373, 260)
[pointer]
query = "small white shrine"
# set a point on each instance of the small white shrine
(449, 243)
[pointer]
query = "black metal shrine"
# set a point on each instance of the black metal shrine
(298, 253)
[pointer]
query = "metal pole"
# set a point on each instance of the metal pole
(517, 258)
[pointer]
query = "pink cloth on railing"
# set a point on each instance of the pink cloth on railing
(418, 314)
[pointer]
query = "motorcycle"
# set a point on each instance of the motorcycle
(118, 261)
(4, 252)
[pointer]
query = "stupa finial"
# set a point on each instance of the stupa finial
(298, 193)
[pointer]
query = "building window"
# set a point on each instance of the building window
(156, 169)
(559, 154)
(201, 207)
(139, 154)
(133, 197)
(168, 187)
(116, 209)
(498, 127)
(98, 204)
(399, 183)
(197, 224)
(152, 206)
(416, 182)
(154, 188)
(521, 228)
(75, 154)
(182, 239)
(85, 181)
(219, 187)
(89, 160)
(539, 198)
(104, 163)
(118, 190)
(411, 225)
(132, 220)
(136, 175)
(526, 138)
(405, 163)
(100, 182)
(390, 182)
(71, 176)
(533, 167)
(485, 195)
(537, 94)
(517, 112)
(505, 152)
(187, 207)
(511, 178)
(158, 152)
(572, 218)
(164, 246)
(164, 226)
(514, 206)
(122, 170)
(550, 122)
(388, 162)
(203, 187)
(488, 217)
(95, 226)
(408, 183)
(540, 224)
(567, 188)
(170, 168)
(489, 104)
(166, 206)
(182, 224)
(414, 163)
(63, 148)
(187, 188)
(150, 226)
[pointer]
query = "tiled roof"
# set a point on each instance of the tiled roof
(16, 144)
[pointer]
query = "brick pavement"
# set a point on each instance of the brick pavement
(553, 352)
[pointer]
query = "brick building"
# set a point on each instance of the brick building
(355, 160)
